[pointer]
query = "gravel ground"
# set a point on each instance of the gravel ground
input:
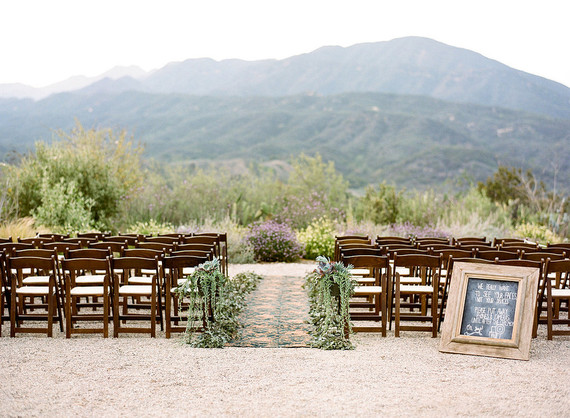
(407, 376)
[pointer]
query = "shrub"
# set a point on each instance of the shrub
(98, 168)
(318, 239)
(536, 233)
(150, 227)
(64, 208)
(273, 241)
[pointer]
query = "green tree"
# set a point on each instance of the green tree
(90, 170)
(381, 206)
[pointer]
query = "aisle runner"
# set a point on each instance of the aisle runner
(275, 315)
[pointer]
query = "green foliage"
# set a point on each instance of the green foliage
(536, 233)
(330, 288)
(63, 208)
(99, 167)
(380, 206)
(506, 185)
(318, 239)
(208, 290)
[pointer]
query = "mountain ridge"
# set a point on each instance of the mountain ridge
(409, 65)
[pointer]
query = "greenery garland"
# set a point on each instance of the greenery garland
(330, 287)
(214, 304)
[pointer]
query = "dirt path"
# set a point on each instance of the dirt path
(407, 376)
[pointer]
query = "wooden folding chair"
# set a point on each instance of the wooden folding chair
(173, 276)
(74, 291)
(428, 270)
(557, 290)
(379, 271)
(140, 278)
(16, 267)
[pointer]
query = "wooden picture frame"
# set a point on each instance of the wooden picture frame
(490, 310)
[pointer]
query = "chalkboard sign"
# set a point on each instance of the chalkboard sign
(490, 310)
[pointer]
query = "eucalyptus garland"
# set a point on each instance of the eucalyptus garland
(214, 304)
(330, 287)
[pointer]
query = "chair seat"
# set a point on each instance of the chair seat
(416, 289)
(367, 290)
(90, 279)
(33, 290)
(88, 291)
(36, 280)
(140, 280)
(130, 289)
(561, 293)
(365, 280)
(410, 280)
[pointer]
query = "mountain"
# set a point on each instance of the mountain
(21, 91)
(410, 66)
(411, 141)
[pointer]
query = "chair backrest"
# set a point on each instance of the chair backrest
(431, 240)
(518, 246)
(426, 266)
(96, 235)
(391, 241)
(136, 263)
(5, 239)
(114, 246)
(37, 242)
(435, 247)
(9, 247)
(209, 255)
(557, 266)
(142, 253)
(172, 267)
(358, 251)
(500, 241)
(445, 254)
(164, 239)
(98, 253)
(73, 267)
(52, 236)
(473, 239)
(406, 251)
(494, 254)
(199, 247)
(82, 241)
(466, 245)
(349, 240)
(46, 264)
(35, 252)
(121, 239)
(160, 246)
(539, 255)
(564, 246)
(60, 247)
(378, 265)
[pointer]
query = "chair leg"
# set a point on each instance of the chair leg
(51, 308)
(106, 312)
(397, 318)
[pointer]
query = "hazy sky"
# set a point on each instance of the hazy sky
(46, 41)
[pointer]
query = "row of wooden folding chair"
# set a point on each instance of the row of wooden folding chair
(113, 280)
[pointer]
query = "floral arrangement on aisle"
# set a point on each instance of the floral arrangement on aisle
(214, 304)
(330, 287)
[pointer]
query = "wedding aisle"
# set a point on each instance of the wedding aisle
(276, 315)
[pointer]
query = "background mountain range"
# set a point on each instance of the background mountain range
(411, 111)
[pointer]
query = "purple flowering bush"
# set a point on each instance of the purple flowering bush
(273, 241)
